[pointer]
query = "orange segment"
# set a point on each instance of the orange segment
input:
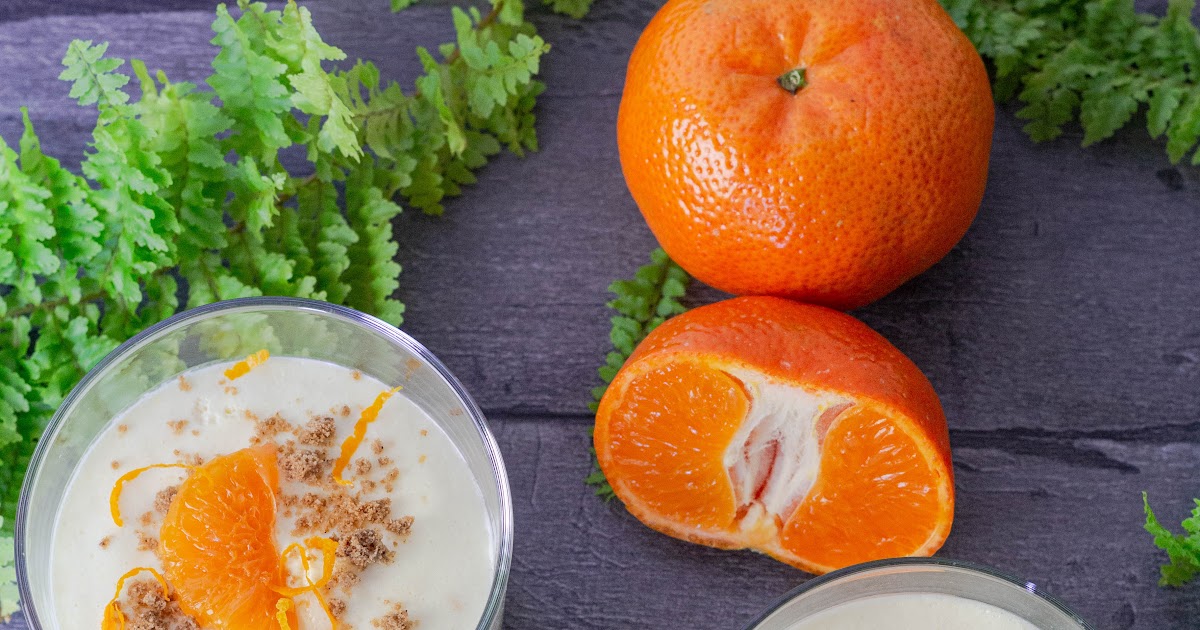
(790, 429)
(217, 542)
(668, 442)
(878, 496)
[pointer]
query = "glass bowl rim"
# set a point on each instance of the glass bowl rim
(963, 565)
(495, 602)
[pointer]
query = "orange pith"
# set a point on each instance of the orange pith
(790, 429)
(217, 543)
(835, 194)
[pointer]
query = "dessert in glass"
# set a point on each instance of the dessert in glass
(266, 463)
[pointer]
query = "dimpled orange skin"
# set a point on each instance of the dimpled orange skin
(839, 522)
(835, 195)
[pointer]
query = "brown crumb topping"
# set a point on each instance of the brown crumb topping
(344, 576)
(105, 542)
(345, 411)
(395, 620)
(191, 459)
(364, 547)
(177, 426)
(184, 385)
(270, 427)
(356, 375)
(362, 467)
(122, 428)
(152, 611)
(145, 519)
(303, 464)
(318, 432)
(115, 464)
(377, 447)
(338, 512)
(162, 500)
(146, 542)
(384, 460)
(337, 607)
(424, 432)
(401, 527)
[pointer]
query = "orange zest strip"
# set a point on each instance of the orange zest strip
(281, 610)
(325, 606)
(360, 433)
(114, 617)
(114, 499)
(328, 547)
(243, 367)
(289, 591)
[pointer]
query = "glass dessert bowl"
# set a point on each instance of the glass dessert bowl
(907, 593)
(350, 472)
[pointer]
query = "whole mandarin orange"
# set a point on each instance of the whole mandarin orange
(822, 150)
(787, 428)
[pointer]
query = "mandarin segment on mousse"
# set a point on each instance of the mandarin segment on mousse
(272, 493)
(790, 429)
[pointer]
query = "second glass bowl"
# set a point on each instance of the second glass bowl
(920, 576)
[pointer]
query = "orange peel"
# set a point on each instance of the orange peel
(114, 499)
(114, 617)
(243, 367)
(351, 444)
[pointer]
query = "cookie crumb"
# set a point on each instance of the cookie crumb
(162, 500)
(146, 542)
(395, 620)
(115, 464)
(377, 447)
(184, 385)
(356, 375)
(421, 459)
(271, 427)
(384, 460)
(345, 411)
(424, 432)
(375, 511)
(362, 467)
(105, 542)
(177, 426)
(305, 465)
(145, 519)
(337, 607)
(153, 611)
(318, 432)
(364, 547)
(401, 527)
(122, 428)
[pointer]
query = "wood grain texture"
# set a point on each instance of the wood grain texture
(1061, 333)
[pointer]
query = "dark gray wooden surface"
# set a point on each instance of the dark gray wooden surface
(1063, 333)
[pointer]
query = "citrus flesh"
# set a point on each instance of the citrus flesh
(746, 424)
(217, 542)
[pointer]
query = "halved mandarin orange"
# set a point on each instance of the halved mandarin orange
(790, 429)
(217, 543)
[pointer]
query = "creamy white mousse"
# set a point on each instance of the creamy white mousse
(914, 611)
(440, 571)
